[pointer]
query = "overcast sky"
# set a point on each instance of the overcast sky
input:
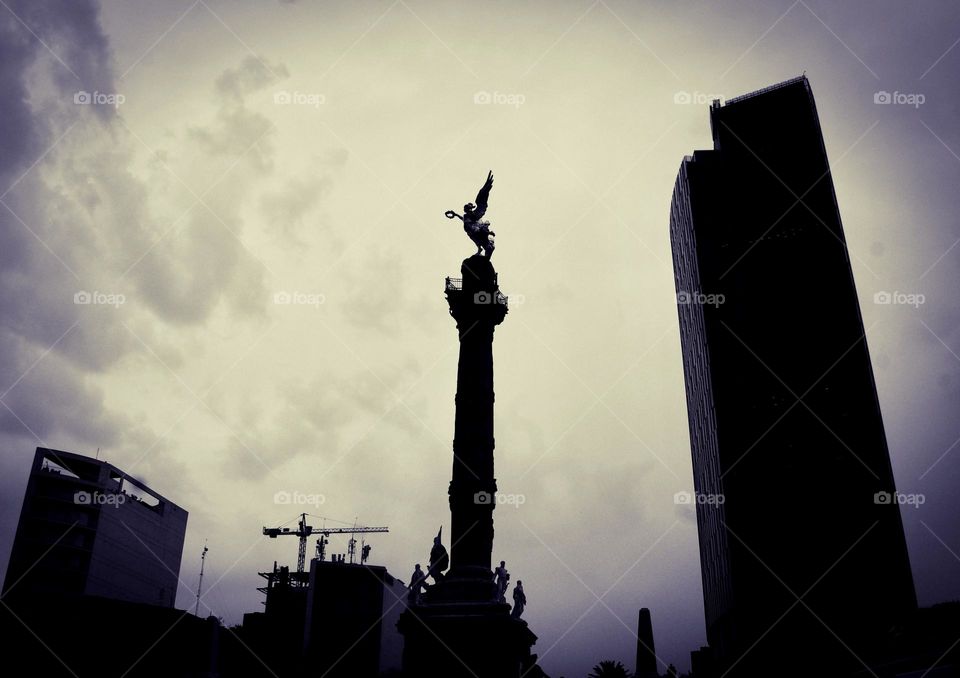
(196, 159)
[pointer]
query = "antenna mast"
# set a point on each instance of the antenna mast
(203, 558)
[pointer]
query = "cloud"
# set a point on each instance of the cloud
(76, 217)
(237, 130)
(285, 209)
(188, 274)
(379, 306)
(323, 417)
(52, 398)
(188, 268)
(41, 237)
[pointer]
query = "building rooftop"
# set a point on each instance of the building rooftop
(770, 88)
(86, 469)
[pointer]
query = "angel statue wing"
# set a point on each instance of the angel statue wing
(482, 198)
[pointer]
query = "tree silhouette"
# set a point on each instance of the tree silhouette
(609, 669)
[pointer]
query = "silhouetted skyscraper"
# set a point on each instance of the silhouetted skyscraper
(785, 424)
(88, 528)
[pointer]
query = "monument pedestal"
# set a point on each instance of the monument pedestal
(465, 640)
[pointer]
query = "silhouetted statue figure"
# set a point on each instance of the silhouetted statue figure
(519, 600)
(477, 230)
(502, 578)
(322, 547)
(439, 560)
(418, 582)
(364, 553)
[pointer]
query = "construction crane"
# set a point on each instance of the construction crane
(303, 531)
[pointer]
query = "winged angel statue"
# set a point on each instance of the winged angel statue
(477, 230)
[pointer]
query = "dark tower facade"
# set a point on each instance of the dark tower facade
(804, 564)
(459, 629)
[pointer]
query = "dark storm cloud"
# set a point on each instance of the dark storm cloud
(55, 400)
(38, 272)
(71, 29)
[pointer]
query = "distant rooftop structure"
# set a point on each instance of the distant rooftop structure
(89, 528)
